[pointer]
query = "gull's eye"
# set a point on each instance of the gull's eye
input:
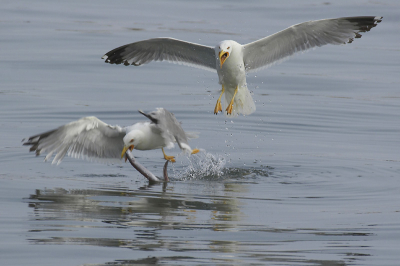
(228, 48)
(131, 141)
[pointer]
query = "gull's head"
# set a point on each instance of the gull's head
(131, 140)
(224, 49)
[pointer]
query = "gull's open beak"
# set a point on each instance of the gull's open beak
(222, 57)
(125, 149)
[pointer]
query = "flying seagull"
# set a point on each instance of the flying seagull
(92, 139)
(232, 60)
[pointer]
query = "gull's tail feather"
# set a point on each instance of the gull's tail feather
(243, 103)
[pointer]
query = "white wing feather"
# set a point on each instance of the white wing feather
(160, 49)
(88, 138)
(303, 36)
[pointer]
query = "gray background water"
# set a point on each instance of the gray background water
(311, 178)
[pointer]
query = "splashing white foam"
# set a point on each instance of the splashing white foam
(203, 165)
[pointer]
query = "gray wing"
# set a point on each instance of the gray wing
(160, 49)
(87, 138)
(171, 129)
(304, 36)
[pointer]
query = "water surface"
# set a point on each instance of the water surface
(311, 178)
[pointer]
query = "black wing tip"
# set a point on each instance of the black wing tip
(152, 119)
(363, 24)
(34, 141)
(30, 141)
(34, 146)
(117, 56)
(117, 60)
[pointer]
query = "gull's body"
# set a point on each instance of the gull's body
(149, 136)
(232, 77)
(232, 60)
(92, 139)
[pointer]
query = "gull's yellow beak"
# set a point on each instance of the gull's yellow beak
(125, 149)
(222, 57)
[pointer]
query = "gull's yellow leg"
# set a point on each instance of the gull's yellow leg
(168, 158)
(195, 151)
(218, 107)
(230, 106)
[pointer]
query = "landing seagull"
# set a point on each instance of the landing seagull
(92, 139)
(232, 60)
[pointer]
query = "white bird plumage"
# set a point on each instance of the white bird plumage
(92, 139)
(232, 60)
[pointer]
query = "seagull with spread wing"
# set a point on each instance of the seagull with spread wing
(92, 139)
(232, 60)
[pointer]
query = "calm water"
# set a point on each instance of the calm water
(311, 178)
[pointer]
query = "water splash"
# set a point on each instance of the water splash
(203, 165)
(208, 166)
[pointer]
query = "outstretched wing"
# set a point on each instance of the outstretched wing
(304, 36)
(88, 138)
(160, 49)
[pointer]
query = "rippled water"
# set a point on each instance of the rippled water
(311, 178)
